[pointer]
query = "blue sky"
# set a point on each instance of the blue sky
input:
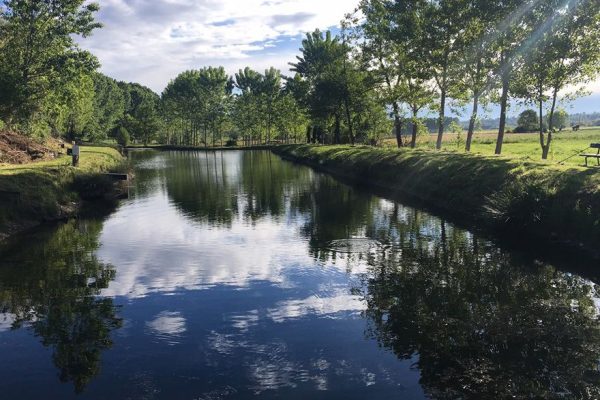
(151, 41)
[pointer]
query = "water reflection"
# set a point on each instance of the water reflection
(50, 285)
(243, 276)
(482, 324)
(167, 326)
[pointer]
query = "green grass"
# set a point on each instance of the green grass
(48, 190)
(92, 159)
(505, 193)
(522, 147)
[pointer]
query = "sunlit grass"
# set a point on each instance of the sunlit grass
(91, 159)
(44, 190)
(566, 145)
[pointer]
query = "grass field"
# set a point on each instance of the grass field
(566, 145)
(92, 159)
(48, 190)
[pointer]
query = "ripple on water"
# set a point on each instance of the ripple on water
(167, 326)
(354, 245)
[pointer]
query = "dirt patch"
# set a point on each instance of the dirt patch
(19, 149)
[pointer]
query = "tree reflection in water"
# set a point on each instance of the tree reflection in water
(482, 324)
(53, 291)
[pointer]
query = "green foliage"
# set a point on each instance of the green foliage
(337, 90)
(196, 106)
(121, 135)
(39, 54)
(54, 291)
(528, 121)
(142, 119)
(109, 107)
(560, 120)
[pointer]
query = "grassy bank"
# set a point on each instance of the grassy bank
(37, 192)
(526, 199)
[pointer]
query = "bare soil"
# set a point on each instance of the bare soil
(19, 149)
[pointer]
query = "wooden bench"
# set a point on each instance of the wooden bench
(589, 155)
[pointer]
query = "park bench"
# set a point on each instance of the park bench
(589, 155)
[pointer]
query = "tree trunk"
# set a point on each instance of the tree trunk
(397, 125)
(472, 122)
(349, 119)
(398, 131)
(337, 135)
(441, 121)
(415, 129)
(546, 144)
(503, 108)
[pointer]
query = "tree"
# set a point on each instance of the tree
(480, 59)
(321, 66)
(528, 121)
(391, 42)
(122, 136)
(560, 120)
(38, 50)
(108, 109)
(197, 102)
(566, 53)
(381, 51)
(442, 30)
(69, 109)
(510, 34)
(338, 85)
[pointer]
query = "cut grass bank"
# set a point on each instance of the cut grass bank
(524, 199)
(34, 193)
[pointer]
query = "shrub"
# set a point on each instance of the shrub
(122, 136)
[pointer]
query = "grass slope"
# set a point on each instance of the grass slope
(49, 190)
(517, 196)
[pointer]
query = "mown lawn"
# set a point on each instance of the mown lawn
(566, 145)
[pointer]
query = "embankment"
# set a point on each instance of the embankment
(34, 193)
(526, 200)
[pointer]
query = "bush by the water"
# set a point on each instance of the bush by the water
(122, 136)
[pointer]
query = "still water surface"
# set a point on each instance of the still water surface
(237, 275)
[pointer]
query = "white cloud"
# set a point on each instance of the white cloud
(167, 326)
(152, 41)
(6, 321)
(341, 301)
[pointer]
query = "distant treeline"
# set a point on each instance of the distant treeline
(391, 63)
(583, 119)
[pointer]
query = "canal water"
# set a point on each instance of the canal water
(236, 275)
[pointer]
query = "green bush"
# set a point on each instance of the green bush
(122, 136)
